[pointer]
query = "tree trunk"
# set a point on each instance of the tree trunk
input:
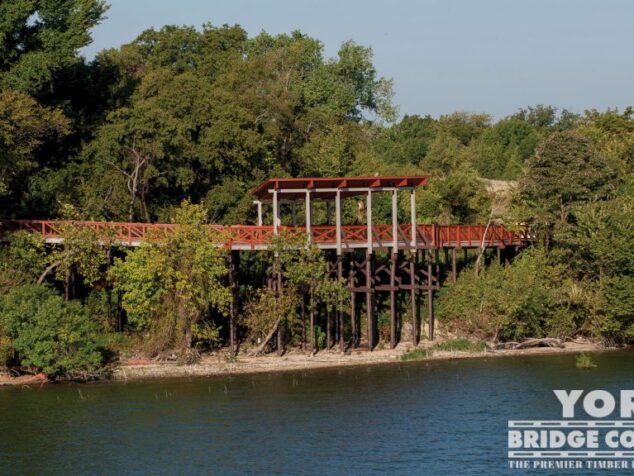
(268, 337)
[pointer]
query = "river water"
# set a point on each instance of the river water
(409, 418)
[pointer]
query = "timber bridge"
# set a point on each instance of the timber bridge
(413, 261)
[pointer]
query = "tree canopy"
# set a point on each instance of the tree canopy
(180, 125)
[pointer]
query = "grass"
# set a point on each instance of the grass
(584, 361)
(461, 345)
(454, 345)
(416, 354)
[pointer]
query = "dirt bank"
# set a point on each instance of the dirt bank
(219, 364)
(8, 379)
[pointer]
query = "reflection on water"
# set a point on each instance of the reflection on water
(411, 418)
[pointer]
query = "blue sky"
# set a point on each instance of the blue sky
(490, 56)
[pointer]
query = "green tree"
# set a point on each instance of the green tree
(170, 284)
(510, 303)
(48, 334)
(458, 197)
(502, 149)
(25, 126)
(408, 141)
(22, 260)
(42, 37)
(565, 171)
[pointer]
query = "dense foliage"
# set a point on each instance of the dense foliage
(42, 331)
(171, 283)
(184, 115)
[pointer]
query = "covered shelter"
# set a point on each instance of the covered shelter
(278, 190)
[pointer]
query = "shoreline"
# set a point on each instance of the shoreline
(217, 365)
(295, 360)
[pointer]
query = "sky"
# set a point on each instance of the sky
(492, 56)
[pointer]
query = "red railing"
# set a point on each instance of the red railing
(432, 236)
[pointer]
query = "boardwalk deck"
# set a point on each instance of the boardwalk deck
(247, 237)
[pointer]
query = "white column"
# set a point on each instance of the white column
(394, 221)
(259, 205)
(276, 213)
(412, 205)
(368, 206)
(338, 220)
(293, 213)
(309, 216)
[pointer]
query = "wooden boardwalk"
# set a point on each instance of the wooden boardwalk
(248, 237)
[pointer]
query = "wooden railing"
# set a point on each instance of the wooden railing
(430, 236)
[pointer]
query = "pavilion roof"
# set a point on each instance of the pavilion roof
(326, 187)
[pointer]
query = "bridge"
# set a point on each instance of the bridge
(253, 237)
(410, 260)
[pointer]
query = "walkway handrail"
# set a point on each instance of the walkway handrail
(429, 236)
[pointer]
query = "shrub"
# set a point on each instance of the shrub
(416, 354)
(461, 345)
(509, 303)
(584, 361)
(618, 308)
(49, 334)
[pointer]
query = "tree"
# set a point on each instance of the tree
(510, 303)
(170, 284)
(48, 334)
(304, 274)
(22, 260)
(41, 38)
(408, 141)
(25, 126)
(246, 109)
(565, 171)
(502, 149)
(81, 254)
(464, 126)
(545, 118)
(458, 197)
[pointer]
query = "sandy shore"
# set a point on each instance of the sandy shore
(218, 364)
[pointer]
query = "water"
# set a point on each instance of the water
(410, 418)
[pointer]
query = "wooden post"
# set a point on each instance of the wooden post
(454, 265)
(340, 310)
(499, 255)
(309, 216)
(369, 221)
(328, 328)
(412, 272)
(369, 298)
(353, 302)
(394, 221)
(312, 318)
(338, 221)
(412, 206)
(328, 311)
(430, 297)
(276, 213)
(280, 330)
(393, 265)
(303, 316)
(234, 259)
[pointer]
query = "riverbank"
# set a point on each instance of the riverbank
(220, 364)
